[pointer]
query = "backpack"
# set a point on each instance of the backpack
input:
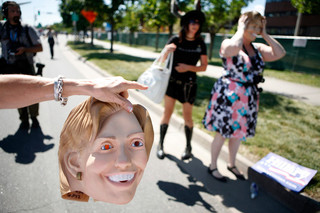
(26, 27)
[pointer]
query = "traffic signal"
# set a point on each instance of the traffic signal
(38, 12)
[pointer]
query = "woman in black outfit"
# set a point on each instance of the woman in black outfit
(188, 49)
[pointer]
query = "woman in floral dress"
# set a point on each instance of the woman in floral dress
(233, 108)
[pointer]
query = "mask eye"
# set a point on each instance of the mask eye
(137, 144)
(106, 147)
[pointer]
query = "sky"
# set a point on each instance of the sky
(49, 11)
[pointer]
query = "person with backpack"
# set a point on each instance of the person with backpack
(19, 44)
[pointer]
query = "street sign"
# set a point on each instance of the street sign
(89, 15)
(75, 17)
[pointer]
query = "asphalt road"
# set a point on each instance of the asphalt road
(29, 180)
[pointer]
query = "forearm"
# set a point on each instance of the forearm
(20, 90)
(200, 68)
(33, 49)
(277, 49)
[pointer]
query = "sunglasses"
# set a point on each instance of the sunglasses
(194, 22)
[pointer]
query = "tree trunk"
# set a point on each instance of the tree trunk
(112, 29)
(170, 30)
(298, 23)
(212, 36)
(157, 38)
(131, 38)
(91, 34)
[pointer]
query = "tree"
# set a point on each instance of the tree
(132, 19)
(67, 8)
(304, 6)
(96, 6)
(111, 14)
(219, 13)
(307, 6)
(158, 15)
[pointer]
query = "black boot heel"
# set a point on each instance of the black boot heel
(163, 131)
(187, 153)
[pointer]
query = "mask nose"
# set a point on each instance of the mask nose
(123, 158)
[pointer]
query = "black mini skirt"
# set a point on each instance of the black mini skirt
(183, 91)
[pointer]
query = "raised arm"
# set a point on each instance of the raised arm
(23, 90)
(231, 47)
(274, 50)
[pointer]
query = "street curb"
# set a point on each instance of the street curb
(295, 201)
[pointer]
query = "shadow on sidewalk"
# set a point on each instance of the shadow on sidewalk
(234, 193)
(189, 196)
(115, 56)
(26, 144)
(100, 52)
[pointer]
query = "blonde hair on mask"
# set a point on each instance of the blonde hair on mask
(82, 126)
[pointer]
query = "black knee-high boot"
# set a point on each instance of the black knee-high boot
(187, 153)
(163, 131)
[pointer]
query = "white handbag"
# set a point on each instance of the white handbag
(156, 77)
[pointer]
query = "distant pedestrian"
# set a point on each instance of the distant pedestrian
(19, 43)
(51, 34)
(188, 49)
(233, 108)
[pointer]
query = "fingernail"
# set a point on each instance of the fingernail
(130, 108)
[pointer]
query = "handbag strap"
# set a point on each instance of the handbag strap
(167, 64)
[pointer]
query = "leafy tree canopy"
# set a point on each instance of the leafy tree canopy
(307, 6)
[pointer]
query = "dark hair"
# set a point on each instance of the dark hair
(184, 30)
(185, 20)
(5, 6)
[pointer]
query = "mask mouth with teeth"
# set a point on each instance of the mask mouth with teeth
(122, 178)
(110, 149)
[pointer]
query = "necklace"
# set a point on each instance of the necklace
(189, 37)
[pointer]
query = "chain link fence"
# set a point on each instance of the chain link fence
(303, 53)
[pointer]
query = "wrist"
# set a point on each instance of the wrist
(77, 87)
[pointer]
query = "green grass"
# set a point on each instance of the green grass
(296, 77)
(120, 64)
(286, 127)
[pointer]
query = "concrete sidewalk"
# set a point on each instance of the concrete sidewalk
(200, 138)
(308, 94)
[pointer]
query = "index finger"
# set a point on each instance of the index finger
(134, 85)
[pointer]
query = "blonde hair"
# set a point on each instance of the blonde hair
(82, 126)
(254, 17)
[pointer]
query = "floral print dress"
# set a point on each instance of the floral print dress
(233, 107)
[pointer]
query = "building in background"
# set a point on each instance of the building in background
(282, 17)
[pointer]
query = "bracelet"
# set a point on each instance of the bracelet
(57, 91)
